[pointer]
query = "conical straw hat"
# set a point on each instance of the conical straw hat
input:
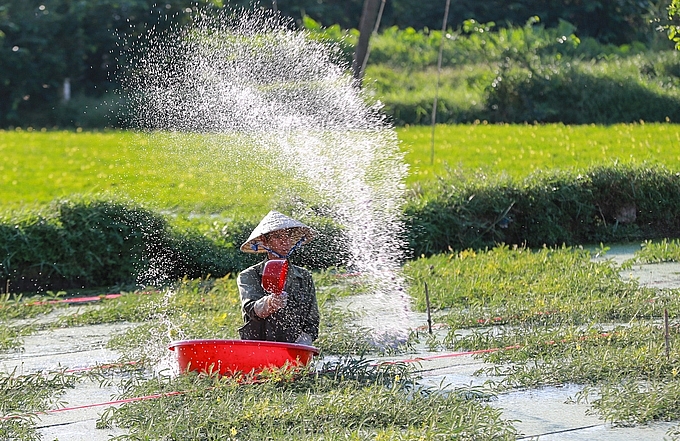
(275, 221)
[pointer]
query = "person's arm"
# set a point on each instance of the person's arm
(255, 302)
(269, 304)
(250, 291)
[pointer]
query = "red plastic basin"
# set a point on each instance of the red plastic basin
(231, 356)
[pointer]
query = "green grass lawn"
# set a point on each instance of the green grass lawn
(521, 149)
(168, 172)
(185, 174)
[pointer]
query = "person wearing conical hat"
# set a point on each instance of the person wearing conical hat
(292, 315)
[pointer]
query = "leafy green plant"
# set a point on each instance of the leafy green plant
(22, 396)
(103, 243)
(633, 402)
(658, 251)
(351, 399)
(554, 316)
(519, 74)
(602, 204)
(513, 286)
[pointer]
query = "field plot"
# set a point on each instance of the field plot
(522, 330)
(545, 320)
(518, 150)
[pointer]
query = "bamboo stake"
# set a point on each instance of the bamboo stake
(667, 334)
(439, 70)
(429, 315)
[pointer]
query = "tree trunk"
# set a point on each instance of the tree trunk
(368, 17)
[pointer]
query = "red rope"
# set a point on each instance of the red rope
(453, 354)
(112, 403)
(76, 300)
(88, 406)
(102, 366)
(84, 299)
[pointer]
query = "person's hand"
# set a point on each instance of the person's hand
(279, 301)
(269, 304)
(304, 339)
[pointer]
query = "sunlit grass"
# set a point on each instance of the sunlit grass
(174, 173)
(218, 175)
(518, 150)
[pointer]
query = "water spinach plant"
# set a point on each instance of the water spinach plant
(666, 250)
(557, 315)
(23, 396)
(349, 400)
(350, 397)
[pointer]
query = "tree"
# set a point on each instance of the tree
(673, 28)
(366, 25)
(43, 43)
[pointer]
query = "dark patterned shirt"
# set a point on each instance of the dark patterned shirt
(301, 314)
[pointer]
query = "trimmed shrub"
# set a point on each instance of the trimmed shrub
(79, 244)
(103, 243)
(603, 204)
(578, 95)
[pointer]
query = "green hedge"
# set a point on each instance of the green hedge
(583, 93)
(604, 204)
(80, 244)
(641, 87)
(521, 74)
(99, 243)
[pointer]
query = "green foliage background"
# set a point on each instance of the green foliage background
(500, 65)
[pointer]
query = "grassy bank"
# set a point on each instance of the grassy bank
(213, 187)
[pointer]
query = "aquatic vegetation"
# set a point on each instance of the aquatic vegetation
(515, 285)
(554, 316)
(352, 399)
(665, 250)
(22, 396)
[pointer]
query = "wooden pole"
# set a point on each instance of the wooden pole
(368, 18)
(429, 315)
(375, 31)
(667, 334)
(439, 70)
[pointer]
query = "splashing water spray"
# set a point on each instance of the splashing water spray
(286, 100)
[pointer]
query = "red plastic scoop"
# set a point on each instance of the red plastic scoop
(274, 275)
